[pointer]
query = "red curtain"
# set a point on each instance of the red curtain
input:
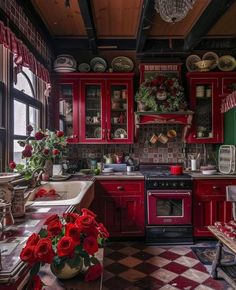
(22, 54)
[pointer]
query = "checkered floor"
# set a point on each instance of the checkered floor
(136, 266)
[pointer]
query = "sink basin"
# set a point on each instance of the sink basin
(6, 177)
(79, 193)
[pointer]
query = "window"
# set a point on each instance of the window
(27, 109)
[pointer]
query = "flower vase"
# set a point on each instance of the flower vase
(67, 272)
(48, 167)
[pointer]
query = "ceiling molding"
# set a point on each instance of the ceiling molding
(209, 17)
(87, 15)
(145, 23)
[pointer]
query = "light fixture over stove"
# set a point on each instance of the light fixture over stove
(173, 10)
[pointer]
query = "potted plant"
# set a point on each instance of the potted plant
(40, 152)
(145, 99)
(68, 244)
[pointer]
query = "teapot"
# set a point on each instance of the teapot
(108, 159)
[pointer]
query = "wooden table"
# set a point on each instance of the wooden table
(225, 271)
(77, 283)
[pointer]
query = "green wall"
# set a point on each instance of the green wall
(230, 127)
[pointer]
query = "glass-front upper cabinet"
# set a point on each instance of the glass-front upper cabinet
(106, 108)
(66, 110)
(205, 102)
(118, 117)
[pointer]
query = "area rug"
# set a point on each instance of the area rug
(206, 255)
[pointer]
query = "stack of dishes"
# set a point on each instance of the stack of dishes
(98, 64)
(200, 91)
(64, 63)
(122, 64)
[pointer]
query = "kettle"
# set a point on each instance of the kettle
(108, 159)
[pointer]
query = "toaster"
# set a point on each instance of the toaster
(226, 159)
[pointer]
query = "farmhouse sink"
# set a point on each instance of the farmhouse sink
(78, 193)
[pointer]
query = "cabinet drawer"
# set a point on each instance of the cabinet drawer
(212, 187)
(128, 187)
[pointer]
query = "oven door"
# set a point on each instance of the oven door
(169, 207)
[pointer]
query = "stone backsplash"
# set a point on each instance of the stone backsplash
(174, 151)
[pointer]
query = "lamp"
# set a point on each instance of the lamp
(173, 10)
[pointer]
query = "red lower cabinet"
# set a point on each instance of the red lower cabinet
(210, 205)
(120, 206)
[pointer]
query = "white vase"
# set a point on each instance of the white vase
(57, 169)
(48, 167)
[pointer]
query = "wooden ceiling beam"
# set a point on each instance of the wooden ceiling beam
(87, 15)
(209, 17)
(145, 23)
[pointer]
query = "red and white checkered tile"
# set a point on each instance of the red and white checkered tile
(136, 266)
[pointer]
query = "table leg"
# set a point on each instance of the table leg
(216, 261)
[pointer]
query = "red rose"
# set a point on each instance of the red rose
(93, 273)
(91, 231)
(28, 147)
(103, 231)
(46, 151)
(43, 251)
(32, 240)
(90, 245)
(55, 227)
(27, 255)
(86, 211)
(29, 129)
(65, 247)
(60, 133)
(51, 218)
(85, 221)
(37, 283)
(55, 152)
(12, 164)
(70, 217)
(26, 153)
(73, 232)
(39, 135)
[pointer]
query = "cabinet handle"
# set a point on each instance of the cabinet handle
(199, 203)
(120, 187)
(108, 134)
(215, 187)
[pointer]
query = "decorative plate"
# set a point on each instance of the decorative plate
(64, 69)
(122, 64)
(84, 67)
(211, 56)
(97, 132)
(119, 131)
(191, 60)
(98, 64)
(226, 63)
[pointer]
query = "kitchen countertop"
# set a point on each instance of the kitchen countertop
(218, 175)
(113, 175)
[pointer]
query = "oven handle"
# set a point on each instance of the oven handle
(164, 193)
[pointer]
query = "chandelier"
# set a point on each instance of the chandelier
(173, 10)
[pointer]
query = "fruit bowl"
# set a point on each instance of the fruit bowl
(204, 65)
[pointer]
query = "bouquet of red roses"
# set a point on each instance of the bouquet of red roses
(72, 239)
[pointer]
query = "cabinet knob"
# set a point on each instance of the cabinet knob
(215, 187)
(120, 187)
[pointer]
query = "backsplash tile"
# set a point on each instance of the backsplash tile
(174, 151)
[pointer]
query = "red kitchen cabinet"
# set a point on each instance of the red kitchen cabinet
(102, 105)
(206, 91)
(120, 206)
(210, 205)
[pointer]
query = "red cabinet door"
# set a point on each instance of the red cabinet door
(132, 215)
(207, 124)
(210, 205)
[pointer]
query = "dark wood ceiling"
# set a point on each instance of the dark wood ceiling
(135, 25)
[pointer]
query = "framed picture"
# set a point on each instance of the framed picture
(152, 70)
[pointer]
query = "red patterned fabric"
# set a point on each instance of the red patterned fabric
(23, 56)
(229, 102)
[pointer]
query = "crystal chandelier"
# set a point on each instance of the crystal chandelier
(173, 10)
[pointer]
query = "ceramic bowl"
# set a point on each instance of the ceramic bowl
(204, 65)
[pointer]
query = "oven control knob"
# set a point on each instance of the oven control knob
(163, 184)
(174, 184)
(182, 184)
(155, 184)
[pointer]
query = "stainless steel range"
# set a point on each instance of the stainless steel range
(168, 206)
